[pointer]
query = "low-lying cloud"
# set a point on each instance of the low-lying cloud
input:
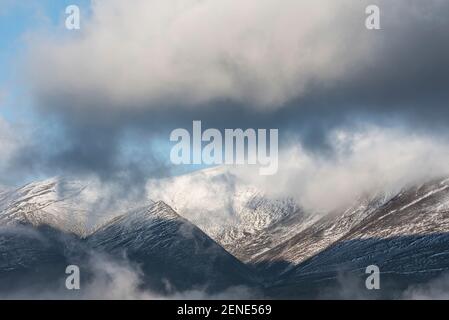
(112, 279)
(436, 289)
(364, 163)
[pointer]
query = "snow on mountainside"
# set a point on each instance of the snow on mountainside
(290, 247)
(238, 216)
(320, 234)
(166, 246)
(405, 235)
(262, 224)
(418, 210)
(55, 202)
(76, 206)
(168, 252)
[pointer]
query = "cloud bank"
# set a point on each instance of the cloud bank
(110, 279)
(363, 163)
(262, 54)
(305, 68)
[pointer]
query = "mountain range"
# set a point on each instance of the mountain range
(270, 246)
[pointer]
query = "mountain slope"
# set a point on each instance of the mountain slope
(54, 202)
(294, 254)
(293, 249)
(241, 218)
(38, 239)
(406, 236)
(169, 249)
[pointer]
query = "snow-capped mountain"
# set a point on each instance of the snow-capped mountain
(241, 218)
(38, 239)
(244, 238)
(417, 210)
(169, 248)
(404, 233)
(69, 205)
(263, 223)
(406, 236)
(53, 202)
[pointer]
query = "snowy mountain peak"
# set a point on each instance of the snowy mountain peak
(53, 202)
(75, 206)
(238, 215)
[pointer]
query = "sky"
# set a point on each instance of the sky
(103, 100)
(17, 20)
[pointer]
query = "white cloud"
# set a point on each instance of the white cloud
(436, 289)
(9, 142)
(365, 162)
(150, 53)
(122, 280)
(113, 281)
(208, 198)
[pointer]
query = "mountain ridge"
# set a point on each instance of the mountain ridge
(283, 250)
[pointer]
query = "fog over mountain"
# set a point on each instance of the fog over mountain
(364, 161)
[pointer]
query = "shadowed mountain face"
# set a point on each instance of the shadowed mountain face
(169, 248)
(167, 252)
(339, 271)
(418, 210)
(33, 258)
(406, 235)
